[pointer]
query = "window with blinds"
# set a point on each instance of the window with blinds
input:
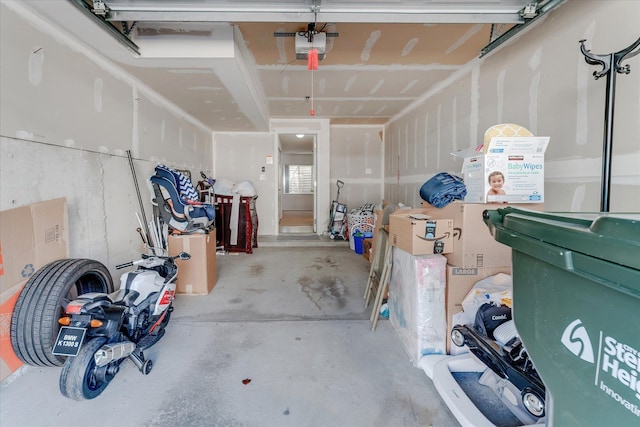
(298, 179)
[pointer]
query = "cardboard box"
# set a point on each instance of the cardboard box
(459, 283)
(366, 251)
(415, 232)
(473, 244)
(198, 275)
(519, 160)
(378, 214)
(30, 237)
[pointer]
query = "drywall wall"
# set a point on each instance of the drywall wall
(418, 145)
(240, 157)
(541, 81)
(68, 119)
(352, 154)
(356, 159)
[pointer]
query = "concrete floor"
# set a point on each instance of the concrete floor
(289, 319)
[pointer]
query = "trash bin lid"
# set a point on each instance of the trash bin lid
(614, 237)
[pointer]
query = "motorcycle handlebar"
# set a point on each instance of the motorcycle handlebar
(181, 255)
(125, 265)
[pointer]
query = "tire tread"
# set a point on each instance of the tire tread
(34, 322)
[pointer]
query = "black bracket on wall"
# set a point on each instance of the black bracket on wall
(611, 64)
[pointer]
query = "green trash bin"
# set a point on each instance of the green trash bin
(576, 306)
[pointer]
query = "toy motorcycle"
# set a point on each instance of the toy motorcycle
(100, 330)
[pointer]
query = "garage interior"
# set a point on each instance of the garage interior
(224, 88)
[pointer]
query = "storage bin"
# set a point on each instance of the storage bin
(576, 299)
(357, 242)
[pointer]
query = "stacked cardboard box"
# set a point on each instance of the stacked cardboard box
(476, 255)
(418, 233)
(418, 280)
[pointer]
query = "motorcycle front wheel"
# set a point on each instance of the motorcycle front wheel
(81, 379)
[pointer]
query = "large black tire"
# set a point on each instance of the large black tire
(80, 379)
(34, 322)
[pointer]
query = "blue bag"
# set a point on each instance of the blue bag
(442, 189)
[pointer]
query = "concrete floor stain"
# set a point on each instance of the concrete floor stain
(305, 281)
(327, 288)
(322, 262)
(332, 287)
(256, 270)
(306, 284)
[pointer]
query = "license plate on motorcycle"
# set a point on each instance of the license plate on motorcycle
(69, 341)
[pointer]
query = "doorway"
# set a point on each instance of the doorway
(297, 183)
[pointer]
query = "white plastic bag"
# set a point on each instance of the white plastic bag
(497, 289)
(224, 187)
(246, 189)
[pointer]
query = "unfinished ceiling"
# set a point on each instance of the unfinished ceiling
(221, 62)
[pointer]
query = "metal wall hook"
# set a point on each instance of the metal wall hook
(626, 54)
(593, 59)
(611, 60)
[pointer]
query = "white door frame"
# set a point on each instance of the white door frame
(280, 187)
(322, 130)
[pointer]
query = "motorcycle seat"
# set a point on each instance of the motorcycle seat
(124, 296)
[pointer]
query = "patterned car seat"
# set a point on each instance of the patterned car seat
(177, 201)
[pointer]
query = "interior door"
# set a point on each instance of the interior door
(315, 185)
(280, 183)
(297, 182)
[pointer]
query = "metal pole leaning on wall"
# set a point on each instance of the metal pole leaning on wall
(135, 183)
(610, 66)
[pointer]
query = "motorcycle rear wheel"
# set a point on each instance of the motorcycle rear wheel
(80, 378)
(34, 322)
